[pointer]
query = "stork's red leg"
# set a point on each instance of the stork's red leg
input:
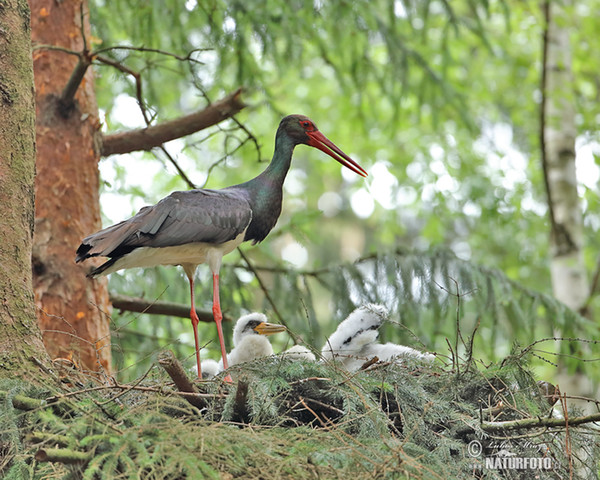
(218, 316)
(195, 320)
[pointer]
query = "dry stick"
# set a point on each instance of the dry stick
(240, 407)
(539, 422)
(180, 171)
(262, 287)
(167, 360)
(156, 135)
(156, 307)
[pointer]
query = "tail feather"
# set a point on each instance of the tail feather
(100, 270)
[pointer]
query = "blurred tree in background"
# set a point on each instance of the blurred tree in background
(439, 101)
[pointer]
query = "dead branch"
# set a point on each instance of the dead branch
(66, 101)
(538, 423)
(240, 405)
(155, 307)
(171, 365)
(153, 136)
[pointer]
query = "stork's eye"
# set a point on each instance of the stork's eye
(305, 124)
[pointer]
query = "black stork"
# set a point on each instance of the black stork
(200, 226)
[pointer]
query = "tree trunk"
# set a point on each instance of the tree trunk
(72, 310)
(569, 279)
(20, 338)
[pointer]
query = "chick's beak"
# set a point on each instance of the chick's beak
(265, 328)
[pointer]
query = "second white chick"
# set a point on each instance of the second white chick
(250, 339)
(355, 341)
(299, 352)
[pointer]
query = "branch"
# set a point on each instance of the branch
(67, 97)
(156, 307)
(539, 422)
(21, 402)
(62, 455)
(171, 365)
(150, 137)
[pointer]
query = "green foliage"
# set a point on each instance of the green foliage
(439, 100)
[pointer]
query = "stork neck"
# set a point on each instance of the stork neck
(281, 161)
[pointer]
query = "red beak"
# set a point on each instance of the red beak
(320, 141)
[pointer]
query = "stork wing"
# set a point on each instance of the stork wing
(212, 216)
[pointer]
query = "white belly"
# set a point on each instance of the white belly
(189, 256)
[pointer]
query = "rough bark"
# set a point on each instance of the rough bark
(569, 278)
(72, 309)
(20, 338)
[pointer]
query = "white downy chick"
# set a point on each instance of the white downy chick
(250, 339)
(356, 341)
(210, 368)
(390, 352)
(348, 344)
(299, 352)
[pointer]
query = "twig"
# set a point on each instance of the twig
(470, 345)
(155, 135)
(180, 171)
(310, 379)
(262, 287)
(323, 405)
(538, 423)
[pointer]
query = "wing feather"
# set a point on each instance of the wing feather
(211, 216)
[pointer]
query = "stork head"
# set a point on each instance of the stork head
(254, 324)
(301, 129)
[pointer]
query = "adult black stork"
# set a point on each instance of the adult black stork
(200, 226)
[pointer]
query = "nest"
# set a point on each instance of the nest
(294, 419)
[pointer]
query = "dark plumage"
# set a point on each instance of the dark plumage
(200, 226)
